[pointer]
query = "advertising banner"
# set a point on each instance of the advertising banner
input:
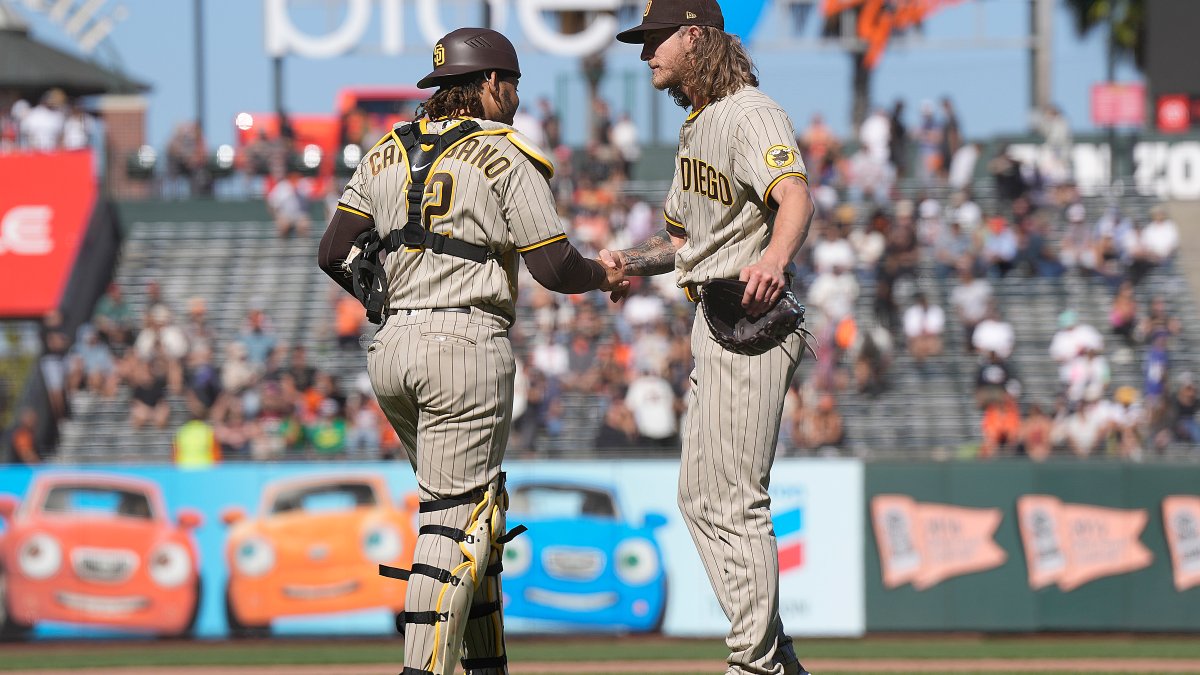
(278, 549)
(1181, 520)
(925, 544)
(1025, 547)
(1072, 544)
(44, 210)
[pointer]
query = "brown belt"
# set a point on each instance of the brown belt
(453, 310)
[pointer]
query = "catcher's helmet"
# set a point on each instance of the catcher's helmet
(470, 50)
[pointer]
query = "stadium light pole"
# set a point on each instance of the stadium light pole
(199, 181)
(198, 18)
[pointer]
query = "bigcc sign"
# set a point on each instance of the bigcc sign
(283, 38)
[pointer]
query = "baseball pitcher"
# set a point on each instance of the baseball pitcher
(738, 210)
(448, 203)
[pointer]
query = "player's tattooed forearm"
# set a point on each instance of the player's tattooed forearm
(654, 256)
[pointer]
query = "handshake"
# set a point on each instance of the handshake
(616, 282)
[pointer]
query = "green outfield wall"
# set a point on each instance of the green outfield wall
(1026, 547)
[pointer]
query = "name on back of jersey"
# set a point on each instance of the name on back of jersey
(472, 151)
(696, 175)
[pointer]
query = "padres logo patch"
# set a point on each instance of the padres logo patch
(780, 156)
(439, 56)
(648, 3)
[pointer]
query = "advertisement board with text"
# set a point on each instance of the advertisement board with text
(282, 549)
(44, 210)
(1025, 547)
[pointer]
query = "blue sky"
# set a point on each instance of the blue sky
(990, 86)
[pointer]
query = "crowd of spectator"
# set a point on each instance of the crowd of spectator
(262, 398)
(54, 123)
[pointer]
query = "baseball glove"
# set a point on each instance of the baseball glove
(735, 330)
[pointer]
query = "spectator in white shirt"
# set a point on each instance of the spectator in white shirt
(994, 334)
(78, 129)
(923, 327)
(42, 126)
(1088, 376)
(833, 295)
(832, 250)
(652, 401)
(1161, 236)
(875, 135)
(965, 210)
(1086, 430)
(1071, 340)
(970, 299)
(624, 136)
(1077, 250)
(289, 206)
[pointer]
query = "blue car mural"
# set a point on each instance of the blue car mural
(581, 564)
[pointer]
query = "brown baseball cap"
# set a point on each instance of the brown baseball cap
(673, 14)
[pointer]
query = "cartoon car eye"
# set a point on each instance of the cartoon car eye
(381, 543)
(518, 554)
(255, 557)
(170, 565)
(40, 556)
(636, 562)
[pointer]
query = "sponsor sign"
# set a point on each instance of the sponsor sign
(1181, 522)
(288, 549)
(1167, 170)
(1116, 104)
(1174, 113)
(1073, 544)
(44, 210)
(283, 37)
(925, 544)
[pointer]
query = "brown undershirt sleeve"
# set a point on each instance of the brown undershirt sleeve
(339, 238)
(559, 267)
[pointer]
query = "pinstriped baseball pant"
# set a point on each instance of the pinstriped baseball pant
(445, 382)
(729, 438)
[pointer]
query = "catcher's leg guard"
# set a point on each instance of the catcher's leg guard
(459, 535)
(483, 643)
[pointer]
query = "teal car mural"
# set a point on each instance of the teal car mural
(582, 565)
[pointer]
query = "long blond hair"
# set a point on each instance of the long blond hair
(720, 65)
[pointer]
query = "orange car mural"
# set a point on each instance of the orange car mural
(315, 548)
(97, 549)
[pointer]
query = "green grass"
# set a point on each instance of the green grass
(41, 655)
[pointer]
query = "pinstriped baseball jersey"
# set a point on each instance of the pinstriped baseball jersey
(732, 153)
(490, 189)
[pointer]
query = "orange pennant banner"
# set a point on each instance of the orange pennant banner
(925, 544)
(1073, 544)
(1181, 520)
(878, 19)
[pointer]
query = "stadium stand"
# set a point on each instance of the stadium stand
(238, 266)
